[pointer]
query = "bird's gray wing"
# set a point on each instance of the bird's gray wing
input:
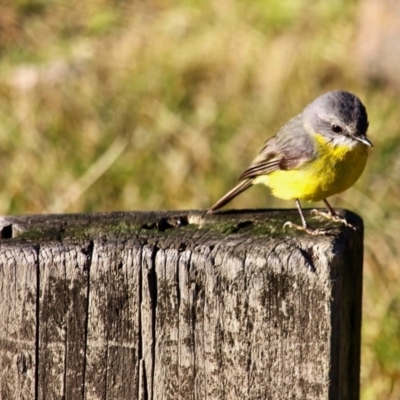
(291, 147)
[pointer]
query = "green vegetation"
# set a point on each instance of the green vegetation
(117, 105)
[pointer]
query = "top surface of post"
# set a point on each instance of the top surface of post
(257, 224)
(249, 231)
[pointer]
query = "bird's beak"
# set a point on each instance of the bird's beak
(366, 141)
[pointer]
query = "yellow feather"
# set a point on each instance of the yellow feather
(334, 169)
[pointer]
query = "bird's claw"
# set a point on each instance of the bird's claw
(306, 229)
(333, 217)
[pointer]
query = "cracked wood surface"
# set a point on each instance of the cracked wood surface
(166, 305)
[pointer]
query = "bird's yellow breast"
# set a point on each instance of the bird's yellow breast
(334, 169)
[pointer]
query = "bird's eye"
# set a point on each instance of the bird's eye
(337, 128)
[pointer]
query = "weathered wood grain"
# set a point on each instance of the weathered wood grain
(18, 319)
(166, 305)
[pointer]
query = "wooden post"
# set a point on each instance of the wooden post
(165, 305)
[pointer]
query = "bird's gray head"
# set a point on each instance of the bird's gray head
(339, 116)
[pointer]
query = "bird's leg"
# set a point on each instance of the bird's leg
(331, 215)
(304, 226)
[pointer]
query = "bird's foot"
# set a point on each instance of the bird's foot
(306, 229)
(333, 217)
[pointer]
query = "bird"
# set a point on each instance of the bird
(320, 152)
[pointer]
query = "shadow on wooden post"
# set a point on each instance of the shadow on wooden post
(165, 305)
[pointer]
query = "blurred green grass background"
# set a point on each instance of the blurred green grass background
(117, 105)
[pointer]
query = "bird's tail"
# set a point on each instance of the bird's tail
(239, 188)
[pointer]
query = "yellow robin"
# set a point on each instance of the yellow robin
(320, 152)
